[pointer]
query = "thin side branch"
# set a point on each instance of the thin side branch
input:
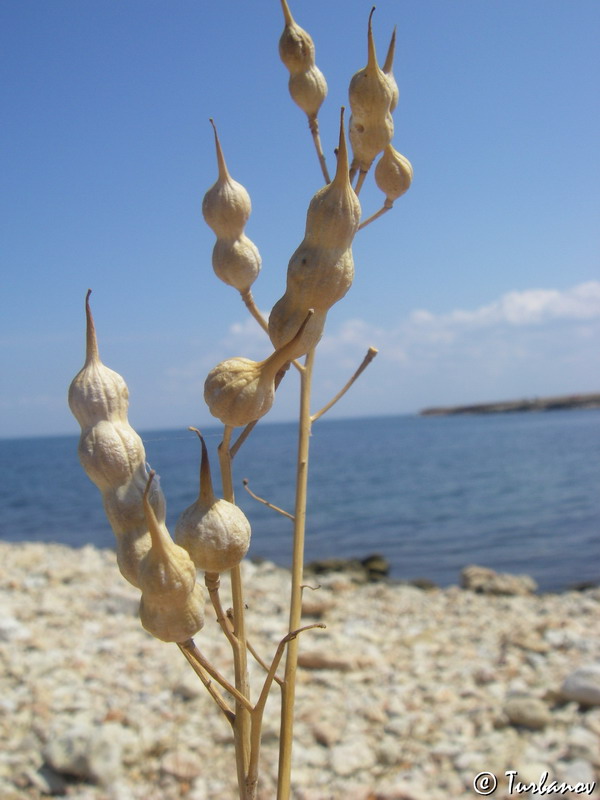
(313, 124)
(259, 708)
(194, 655)
(252, 308)
(386, 207)
(266, 502)
(211, 688)
(371, 353)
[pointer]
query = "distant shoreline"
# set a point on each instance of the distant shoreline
(510, 406)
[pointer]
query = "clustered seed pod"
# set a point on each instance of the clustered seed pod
(307, 84)
(371, 124)
(172, 604)
(215, 533)
(226, 208)
(321, 270)
(393, 174)
(112, 454)
(239, 390)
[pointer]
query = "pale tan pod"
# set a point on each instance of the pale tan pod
(96, 393)
(239, 390)
(334, 212)
(387, 69)
(296, 47)
(226, 205)
(131, 547)
(236, 262)
(110, 453)
(368, 140)
(393, 174)
(176, 621)
(370, 93)
(214, 532)
(308, 90)
(284, 320)
(328, 285)
(171, 607)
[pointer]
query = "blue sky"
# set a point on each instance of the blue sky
(483, 283)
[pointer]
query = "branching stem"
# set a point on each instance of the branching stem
(266, 502)
(313, 124)
(291, 664)
(371, 353)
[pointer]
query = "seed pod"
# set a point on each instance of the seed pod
(214, 532)
(308, 90)
(370, 93)
(97, 393)
(334, 212)
(307, 83)
(172, 605)
(371, 124)
(296, 47)
(239, 391)
(321, 270)
(236, 262)
(285, 319)
(393, 174)
(112, 454)
(226, 205)
(387, 69)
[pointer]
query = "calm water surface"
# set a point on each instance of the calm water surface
(516, 492)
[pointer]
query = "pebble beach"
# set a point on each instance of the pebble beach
(408, 693)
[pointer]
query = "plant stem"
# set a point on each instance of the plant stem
(242, 716)
(289, 685)
(313, 124)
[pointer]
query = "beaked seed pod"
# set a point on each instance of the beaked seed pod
(226, 205)
(214, 532)
(172, 605)
(393, 174)
(239, 390)
(370, 93)
(371, 124)
(321, 270)
(388, 71)
(112, 454)
(236, 262)
(296, 47)
(334, 212)
(97, 393)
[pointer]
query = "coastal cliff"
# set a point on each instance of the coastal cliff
(509, 406)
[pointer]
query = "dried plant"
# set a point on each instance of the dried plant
(213, 534)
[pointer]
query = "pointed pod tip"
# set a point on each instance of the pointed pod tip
(91, 342)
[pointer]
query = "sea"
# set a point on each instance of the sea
(516, 492)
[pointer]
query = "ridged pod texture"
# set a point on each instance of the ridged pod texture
(226, 208)
(171, 606)
(370, 95)
(239, 390)
(393, 173)
(307, 84)
(308, 90)
(217, 537)
(236, 262)
(112, 454)
(321, 270)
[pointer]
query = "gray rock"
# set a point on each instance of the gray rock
(486, 581)
(583, 685)
(528, 712)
